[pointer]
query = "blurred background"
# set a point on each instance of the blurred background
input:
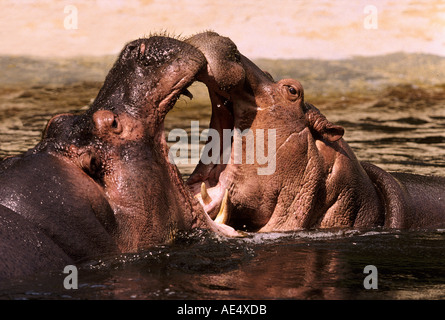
(261, 29)
(377, 67)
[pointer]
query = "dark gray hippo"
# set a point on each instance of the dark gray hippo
(312, 178)
(101, 182)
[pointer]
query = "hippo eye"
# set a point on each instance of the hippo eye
(292, 90)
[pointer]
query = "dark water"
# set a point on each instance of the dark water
(400, 129)
(298, 265)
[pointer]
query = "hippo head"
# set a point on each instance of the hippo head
(119, 141)
(286, 166)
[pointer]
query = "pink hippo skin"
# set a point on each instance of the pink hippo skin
(316, 180)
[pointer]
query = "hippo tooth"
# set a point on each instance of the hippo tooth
(223, 214)
(204, 195)
(187, 93)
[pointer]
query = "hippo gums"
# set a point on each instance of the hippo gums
(317, 181)
(100, 182)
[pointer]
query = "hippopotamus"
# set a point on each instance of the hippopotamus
(317, 181)
(100, 181)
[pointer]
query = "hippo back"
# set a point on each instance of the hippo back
(25, 250)
(427, 199)
(53, 203)
(411, 201)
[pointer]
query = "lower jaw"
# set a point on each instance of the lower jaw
(212, 193)
(215, 202)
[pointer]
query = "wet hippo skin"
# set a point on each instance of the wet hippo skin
(317, 181)
(100, 182)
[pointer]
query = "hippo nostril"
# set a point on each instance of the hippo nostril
(116, 126)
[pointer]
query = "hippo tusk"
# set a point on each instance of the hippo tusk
(223, 214)
(204, 194)
(187, 93)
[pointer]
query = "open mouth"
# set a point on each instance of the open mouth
(212, 178)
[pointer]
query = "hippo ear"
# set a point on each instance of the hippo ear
(318, 124)
(57, 126)
(269, 76)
